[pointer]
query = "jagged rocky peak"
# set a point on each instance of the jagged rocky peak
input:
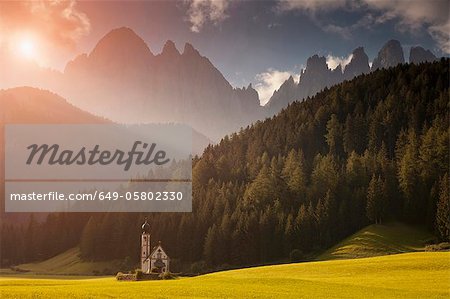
(418, 55)
(112, 45)
(248, 98)
(287, 85)
(252, 93)
(316, 62)
(249, 88)
(170, 49)
(189, 50)
(289, 82)
(359, 64)
(337, 69)
(390, 55)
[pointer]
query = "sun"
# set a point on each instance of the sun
(26, 48)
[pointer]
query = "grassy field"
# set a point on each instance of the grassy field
(373, 240)
(69, 263)
(410, 275)
(377, 240)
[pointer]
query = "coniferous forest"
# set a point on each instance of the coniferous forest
(371, 150)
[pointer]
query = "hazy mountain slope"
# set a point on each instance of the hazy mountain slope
(130, 84)
(26, 105)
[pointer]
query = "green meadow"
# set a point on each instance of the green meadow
(409, 275)
(380, 239)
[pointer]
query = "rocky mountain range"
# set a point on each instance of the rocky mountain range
(131, 84)
(122, 80)
(317, 76)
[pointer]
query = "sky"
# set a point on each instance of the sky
(258, 42)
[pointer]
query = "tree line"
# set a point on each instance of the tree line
(371, 150)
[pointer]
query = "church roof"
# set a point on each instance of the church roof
(154, 250)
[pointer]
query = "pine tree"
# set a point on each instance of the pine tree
(210, 246)
(375, 199)
(408, 176)
(89, 239)
(334, 135)
(294, 175)
(443, 210)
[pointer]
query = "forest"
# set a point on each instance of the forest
(370, 150)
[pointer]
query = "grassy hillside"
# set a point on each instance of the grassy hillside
(378, 239)
(69, 263)
(418, 275)
(373, 240)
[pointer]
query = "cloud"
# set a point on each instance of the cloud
(200, 12)
(271, 80)
(440, 34)
(310, 5)
(58, 22)
(334, 61)
(415, 15)
(411, 16)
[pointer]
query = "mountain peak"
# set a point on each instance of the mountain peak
(359, 52)
(114, 40)
(111, 45)
(116, 51)
(390, 55)
(170, 49)
(316, 61)
(418, 55)
(291, 79)
(190, 50)
(359, 64)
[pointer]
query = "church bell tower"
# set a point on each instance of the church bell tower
(145, 247)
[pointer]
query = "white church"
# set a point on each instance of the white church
(153, 260)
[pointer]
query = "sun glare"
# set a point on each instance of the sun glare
(26, 48)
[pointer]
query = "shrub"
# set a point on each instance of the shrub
(199, 267)
(167, 275)
(126, 264)
(125, 277)
(296, 256)
(445, 246)
(107, 271)
(139, 274)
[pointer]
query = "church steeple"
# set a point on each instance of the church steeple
(145, 247)
(145, 227)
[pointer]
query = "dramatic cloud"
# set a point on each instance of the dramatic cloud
(440, 33)
(415, 15)
(334, 61)
(201, 12)
(57, 22)
(433, 16)
(271, 80)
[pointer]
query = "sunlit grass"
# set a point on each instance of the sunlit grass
(411, 275)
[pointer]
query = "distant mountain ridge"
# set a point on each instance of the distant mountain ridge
(317, 76)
